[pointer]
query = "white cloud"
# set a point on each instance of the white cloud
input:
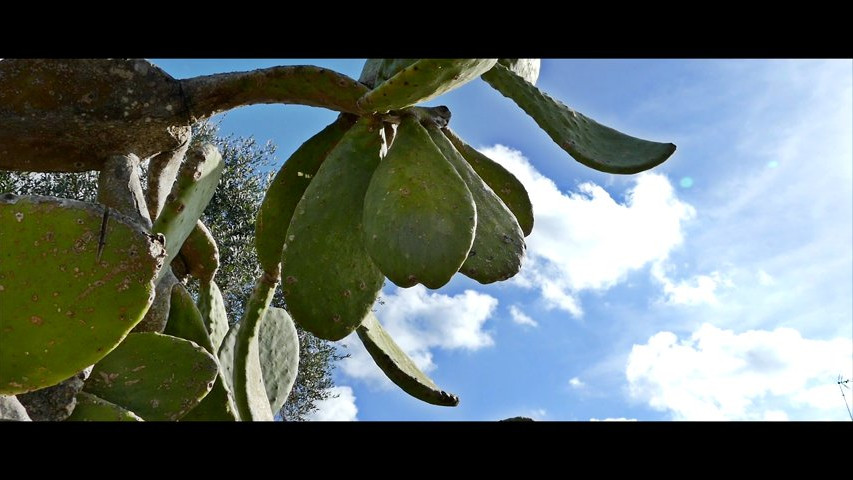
(765, 279)
(420, 321)
(520, 318)
(340, 406)
(697, 290)
(588, 240)
(716, 374)
(576, 382)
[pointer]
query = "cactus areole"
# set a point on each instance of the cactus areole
(386, 191)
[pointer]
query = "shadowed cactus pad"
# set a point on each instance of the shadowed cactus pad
(158, 377)
(185, 319)
(90, 408)
(200, 253)
(328, 279)
(193, 189)
(217, 406)
(249, 392)
(226, 356)
(419, 216)
(589, 142)
(500, 180)
(287, 189)
(398, 367)
(498, 246)
(73, 283)
(423, 80)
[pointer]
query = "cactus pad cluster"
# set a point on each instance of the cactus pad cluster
(387, 190)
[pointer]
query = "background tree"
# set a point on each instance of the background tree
(230, 216)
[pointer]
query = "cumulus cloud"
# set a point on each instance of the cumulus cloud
(698, 290)
(576, 382)
(717, 374)
(340, 406)
(586, 239)
(420, 321)
(521, 318)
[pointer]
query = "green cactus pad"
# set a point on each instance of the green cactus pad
(156, 376)
(200, 253)
(91, 408)
(195, 324)
(423, 80)
(217, 406)
(287, 189)
(62, 308)
(249, 391)
(590, 143)
(226, 356)
(500, 180)
(498, 246)
(377, 70)
(185, 319)
(279, 354)
(526, 68)
(328, 279)
(213, 313)
(193, 189)
(419, 216)
(398, 367)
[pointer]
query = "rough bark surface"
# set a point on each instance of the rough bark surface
(54, 403)
(70, 115)
(119, 188)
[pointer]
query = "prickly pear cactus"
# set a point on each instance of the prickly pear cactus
(74, 279)
(90, 408)
(423, 80)
(158, 377)
(288, 187)
(419, 216)
(399, 368)
(278, 348)
(195, 185)
(326, 230)
(386, 190)
(589, 142)
(500, 180)
(498, 240)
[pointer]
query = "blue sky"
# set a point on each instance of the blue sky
(716, 286)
